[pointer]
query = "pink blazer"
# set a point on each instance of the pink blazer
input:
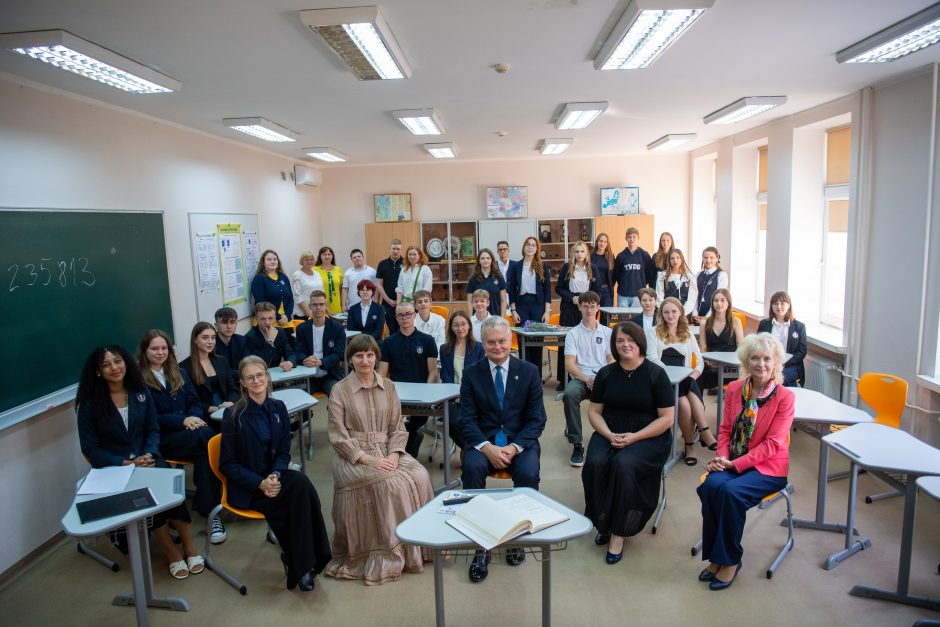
(768, 451)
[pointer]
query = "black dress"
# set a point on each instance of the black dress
(723, 342)
(621, 486)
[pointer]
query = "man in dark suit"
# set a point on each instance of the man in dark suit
(501, 418)
(321, 344)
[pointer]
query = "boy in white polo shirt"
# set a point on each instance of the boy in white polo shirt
(587, 350)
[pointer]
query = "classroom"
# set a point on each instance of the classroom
(829, 193)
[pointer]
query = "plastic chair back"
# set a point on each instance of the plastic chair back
(441, 310)
(214, 449)
(886, 394)
(515, 338)
(741, 318)
(555, 318)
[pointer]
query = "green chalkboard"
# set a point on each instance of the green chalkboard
(73, 280)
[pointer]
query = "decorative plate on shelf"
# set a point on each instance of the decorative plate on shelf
(455, 245)
(435, 248)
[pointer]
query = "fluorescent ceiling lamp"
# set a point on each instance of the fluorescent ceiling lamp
(668, 142)
(326, 154)
(420, 121)
(74, 54)
(441, 151)
(554, 146)
(577, 115)
(361, 38)
(645, 30)
(261, 128)
(909, 35)
(743, 109)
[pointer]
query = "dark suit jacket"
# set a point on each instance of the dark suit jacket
(543, 290)
(334, 345)
(375, 320)
(522, 416)
(447, 360)
(233, 352)
(222, 372)
(173, 409)
(105, 441)
(639, 317)
(272, 355)
(796, 346)
(561, 287)
(243, 458)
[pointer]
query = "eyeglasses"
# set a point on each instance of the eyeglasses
(404, 316)
(502, 250)
(255, 377)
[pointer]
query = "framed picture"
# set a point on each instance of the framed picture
(507, 202)
(619, 201)
(392, 207)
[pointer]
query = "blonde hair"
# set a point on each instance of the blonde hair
(761, 343)
(587, 261)
(171, 369)
(306, 253)
(682, 324)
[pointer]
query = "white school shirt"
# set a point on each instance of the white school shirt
(503, 267)
(351, 279)
(590, 348)
(433, 327)
(579, 282)
(301, 285)
(407, 279)
(318, 347)
(676, 279)
(476, 326)
(365, 312)
(527, 284)
(124, 413)
(162, 377)
(781, 331)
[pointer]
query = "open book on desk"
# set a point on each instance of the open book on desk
(490, 523)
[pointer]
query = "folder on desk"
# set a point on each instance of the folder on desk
(115, 505)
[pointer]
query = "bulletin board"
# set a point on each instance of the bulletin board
(225, 248)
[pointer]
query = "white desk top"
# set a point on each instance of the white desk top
(426, 393)
(350, 333)
(522, 331)
(297, 372)
(622, 311)
(676, 374)
(428, 528)
(930, 485)
(878, 447)
(168, 491)
(295, 399)
(339, 316)
(814, 407)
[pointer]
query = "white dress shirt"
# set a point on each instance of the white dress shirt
(433, 326)
(505, 373)
(351, 279)
(527, 285)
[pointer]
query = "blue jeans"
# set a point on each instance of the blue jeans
(627, 301)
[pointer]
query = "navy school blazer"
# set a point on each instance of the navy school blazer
(222, 372)
(522, 416)
(375, 320)
(561, 287)
(543, 289)
(173, 408)
(272, 355)
(447, 360)
(334, 345)
(278, 292)
(243, 457)
(233, 352)
(105, 441)
(796, 344)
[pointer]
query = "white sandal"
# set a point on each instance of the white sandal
(179, 570)
(196, 564)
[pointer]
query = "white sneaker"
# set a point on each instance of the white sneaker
(294, 466)
(217, 533)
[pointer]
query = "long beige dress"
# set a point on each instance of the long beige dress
(368, 504)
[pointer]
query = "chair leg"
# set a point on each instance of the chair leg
(210, 563)
(785, 494)
(697, 547)
(84, 549)
(890, 494)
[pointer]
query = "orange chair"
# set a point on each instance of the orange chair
(441, 310)
(887, 395)
(741, 318)
(214, 449)
(515, 338)
(555, 318)
(500, 474)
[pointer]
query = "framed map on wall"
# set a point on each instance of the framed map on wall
(392, 207)
(510, 201)
(619, 201)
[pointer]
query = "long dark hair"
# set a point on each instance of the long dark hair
(452, 337)
(171, 368)
(199, 375)
(494, 267)
(729, 317)
(93, 389)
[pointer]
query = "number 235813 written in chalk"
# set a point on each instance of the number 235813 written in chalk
(51, 272)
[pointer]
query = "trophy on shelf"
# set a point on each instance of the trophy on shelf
(585, 232)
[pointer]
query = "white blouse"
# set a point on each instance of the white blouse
(688, 348)
(677, 280)
(579, 282)
(406, 281)
(302, 285)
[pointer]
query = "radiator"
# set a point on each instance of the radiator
(823, 375)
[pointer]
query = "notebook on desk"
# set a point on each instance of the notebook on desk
(115, 505)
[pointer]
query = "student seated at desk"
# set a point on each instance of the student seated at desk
(321, 342)
(229, 345)
(647, 318)
(721, 333)
(366, 316)
(183, 432)
(268, 341)
(462, 350)
(208, 372)
(791, 333)
(410, 356)
(254, 457)
(426, 320)
(117, 426)
(480, 303)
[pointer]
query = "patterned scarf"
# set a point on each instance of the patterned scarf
(744, 424)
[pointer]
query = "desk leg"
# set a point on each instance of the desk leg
(439, 586)
(820, 523)
(300, 444)
(546, 586)
(904, 562)
(673, 459)
(721, 399)
(142, 577)
(446, 444)
(851, 548)
(309, 414)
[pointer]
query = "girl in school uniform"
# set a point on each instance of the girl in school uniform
(305, 280)
(486, 275)
(576, 276)
(721, 332)
(209, 373)
(603, 258)
(666, 246)
(415, 275)
(332, 278)
(677, 282)
(710, 279)
(676, 346)
(530, 293)
(366, 316)
(271, 285)
(791, 333)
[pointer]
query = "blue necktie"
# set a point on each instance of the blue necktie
(500, 439)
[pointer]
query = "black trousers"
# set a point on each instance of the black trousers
(186, 444)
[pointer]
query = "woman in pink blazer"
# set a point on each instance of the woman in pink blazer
(752, 457)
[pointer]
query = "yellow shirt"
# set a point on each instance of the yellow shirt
(332, 284)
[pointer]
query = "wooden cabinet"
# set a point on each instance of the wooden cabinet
(451, 248)
(378, 236)
(616, 229)
(557, 236)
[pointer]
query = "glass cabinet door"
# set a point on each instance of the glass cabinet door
(435, 242)
(463, 251)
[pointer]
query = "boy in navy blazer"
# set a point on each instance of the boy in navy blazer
(321, 343)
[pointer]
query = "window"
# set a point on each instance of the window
(761, 224)
(704, 205)
(835, 226)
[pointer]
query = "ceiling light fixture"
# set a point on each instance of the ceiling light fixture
(554, 146)
(361, 38)
(67, 52)
(668, 142)
(261, 128)
(743, 109)
(577, 115)
(442, 151)
(909, 35)
(420, 121)
(645, 30)
(329, 155)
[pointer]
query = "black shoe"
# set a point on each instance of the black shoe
(711, 447)
(577, 455)
(613, 559)
(601, 539)
(560, 387)
(291, 582)
(706, 575)
(689, 459)
(718, 584)
(479, 566)
(713, 392)
(514, 557)
(306, 582)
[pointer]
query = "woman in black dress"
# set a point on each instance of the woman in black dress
(721, 333)
(631, 411)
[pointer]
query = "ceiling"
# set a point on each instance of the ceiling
(242, 58)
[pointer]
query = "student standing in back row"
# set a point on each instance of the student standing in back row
(271, 285)
(386, 278)
(711, 279)
(359, 271)
(633, 269)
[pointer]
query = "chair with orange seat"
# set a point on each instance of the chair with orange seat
(515, 338)
(887, 395)
(555, 319)
(741, 318)
(214, 449)
(441, 310)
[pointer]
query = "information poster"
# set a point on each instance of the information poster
(233, 270)
(252, 247)
(207, 262)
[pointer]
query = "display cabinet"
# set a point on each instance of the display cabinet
(451, 248)
(557, 236)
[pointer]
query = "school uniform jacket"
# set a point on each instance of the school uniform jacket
(272, 355)
(768, 450)
(233, 353)
(375, 320)
(447, 360)
(105, 441)
(229, 392)
(543, 288)
(334, 345)
(561, 288)
(796, 344)
(173, 408)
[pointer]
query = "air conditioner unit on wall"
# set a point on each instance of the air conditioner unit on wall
(307, 176)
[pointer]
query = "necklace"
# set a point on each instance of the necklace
(629, 373)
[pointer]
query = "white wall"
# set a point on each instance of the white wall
(57, 152)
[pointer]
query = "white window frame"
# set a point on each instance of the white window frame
(760, 272)
(830, 193)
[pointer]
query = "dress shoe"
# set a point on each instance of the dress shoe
(479, 566)
(514, 557)
(306, 582)
(718, 584)
(706, 575)
(601, 539)
(614, 558)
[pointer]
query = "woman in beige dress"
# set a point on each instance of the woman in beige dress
(376, 485)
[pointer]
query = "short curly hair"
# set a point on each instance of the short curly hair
(761, 343)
